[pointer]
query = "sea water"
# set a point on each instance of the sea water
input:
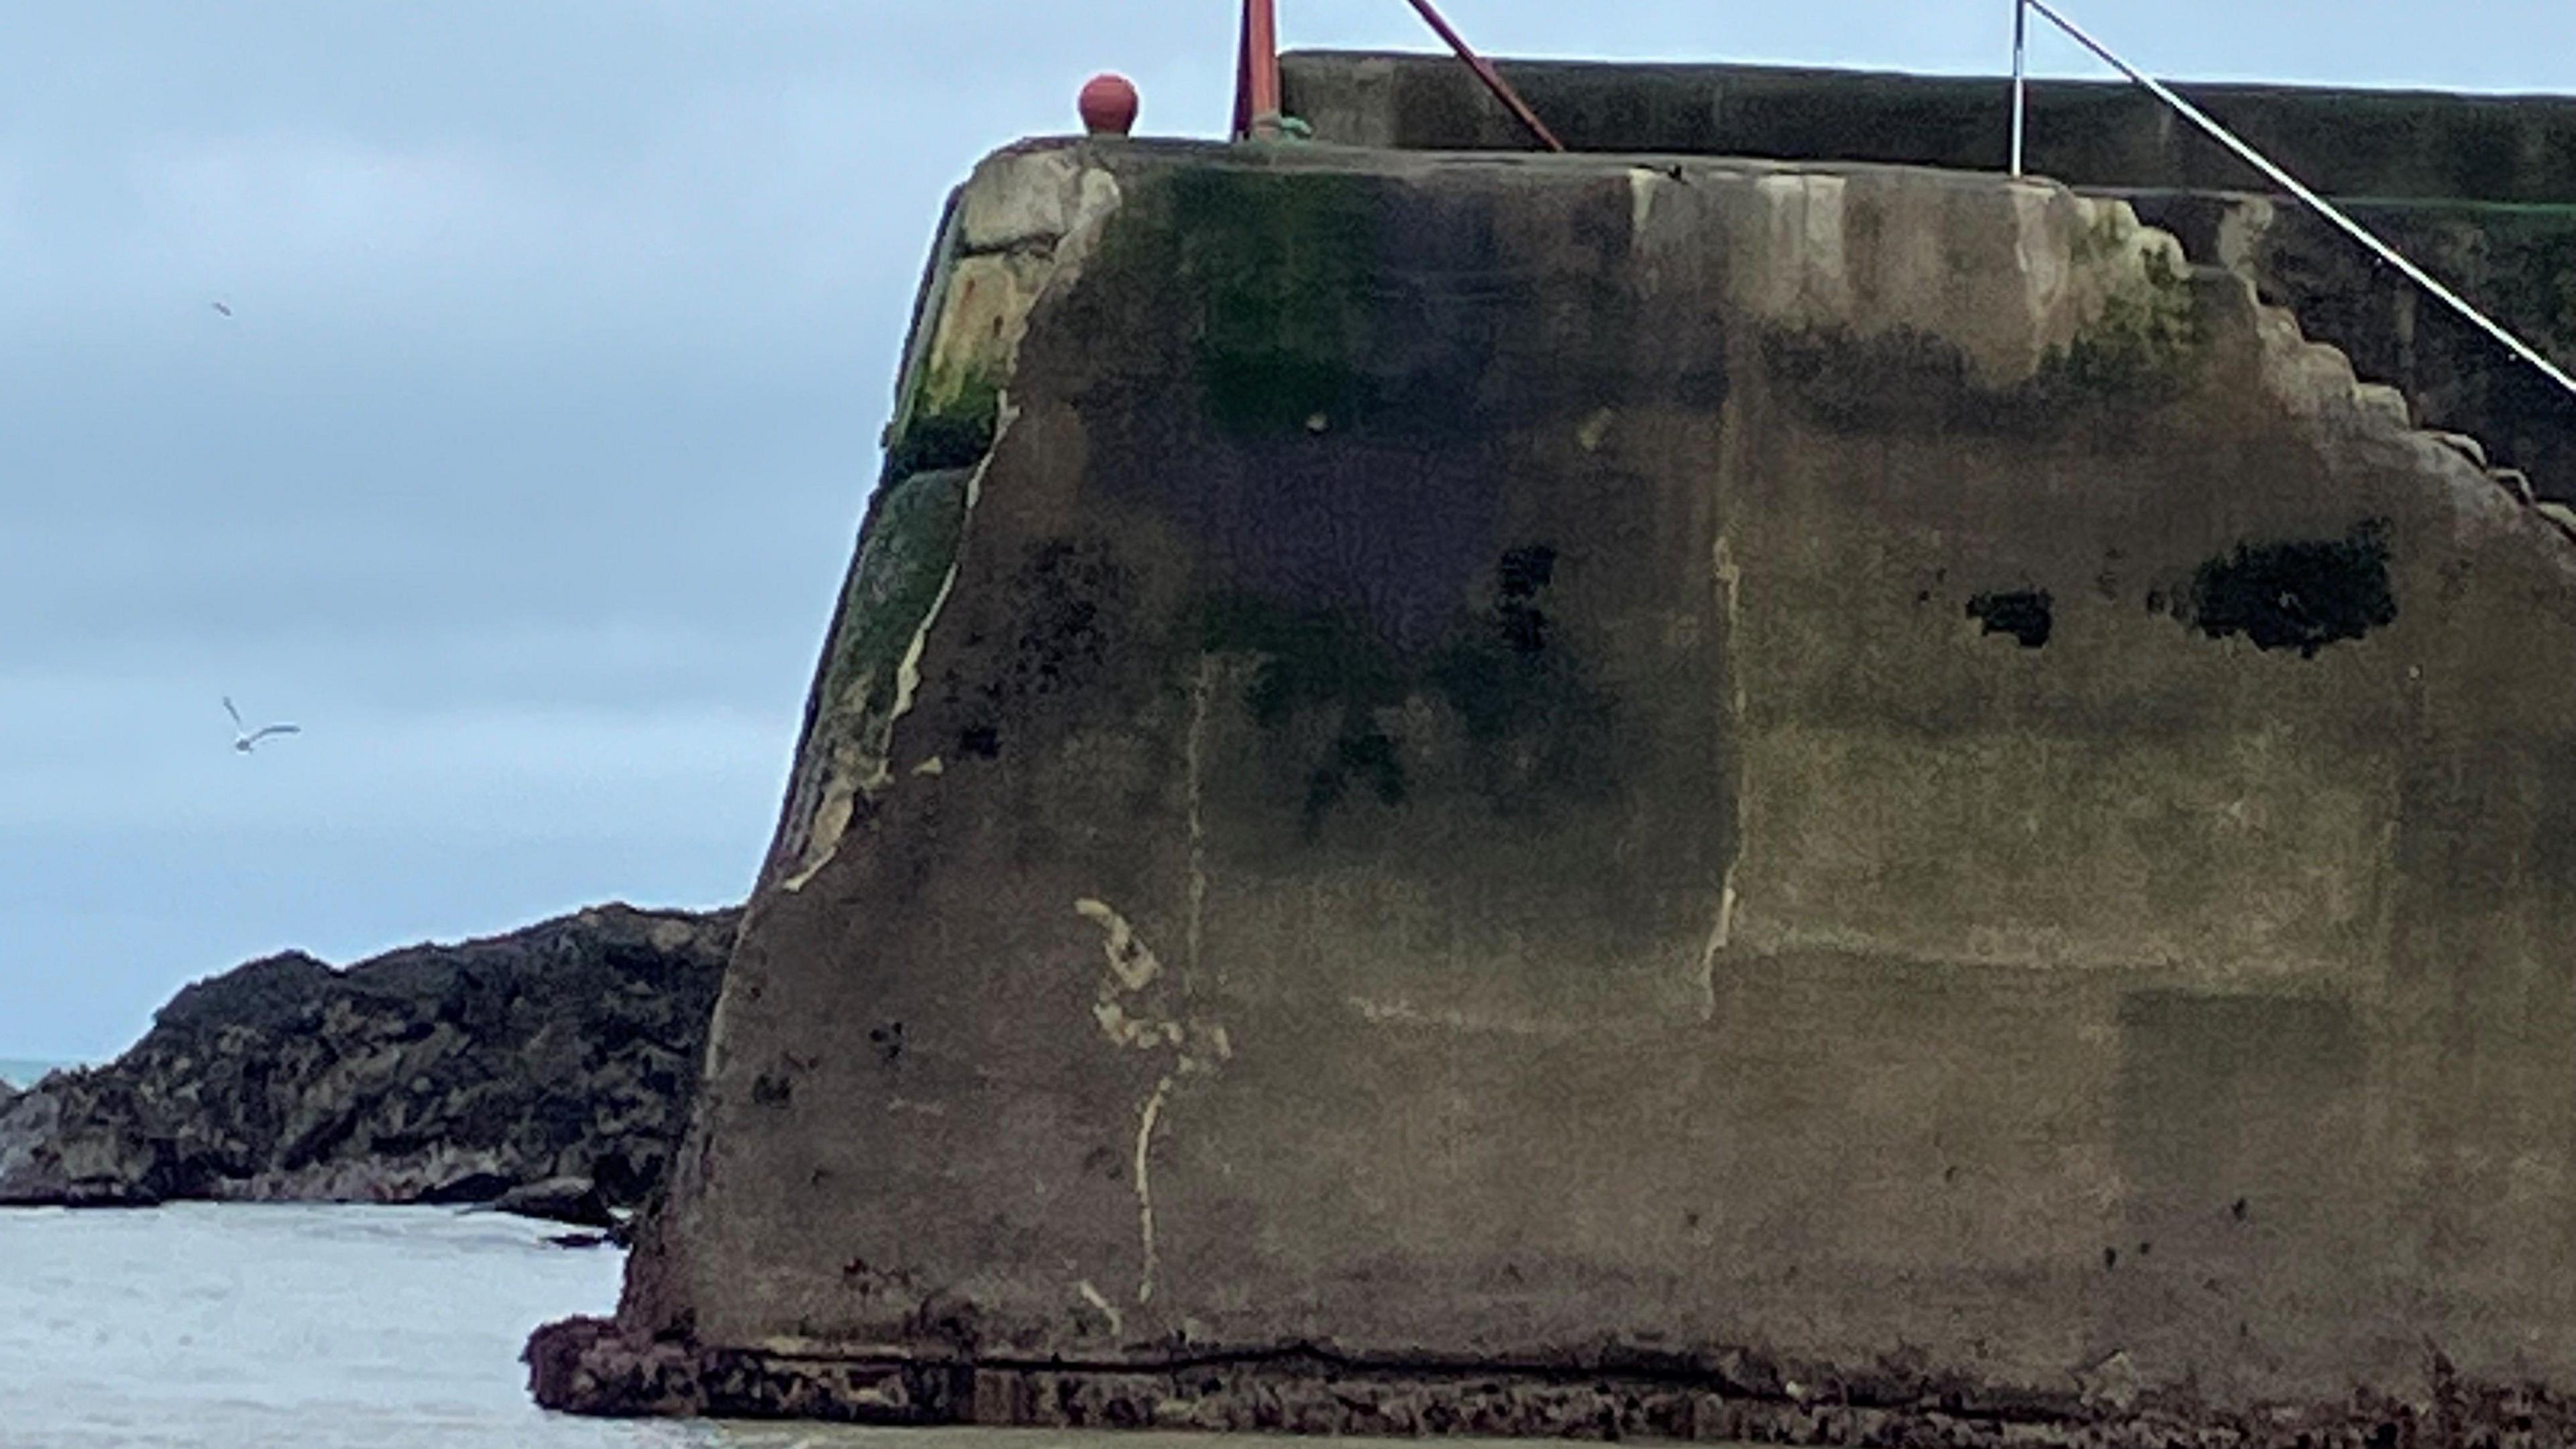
(24, 1072)
(219, 1324)
(230, 1326)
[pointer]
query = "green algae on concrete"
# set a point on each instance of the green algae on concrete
(952, 406)
(902, 565)
(950, 424)
(2142, 348)
(1308, 657)
(953, 401)
(907, 555)
(1276, 266)
(1516, 687)
(1328, 663)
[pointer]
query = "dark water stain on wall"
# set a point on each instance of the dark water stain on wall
(2146, 350)
(2298, 594)
(1281, 265)
(1538, 724)
(2025, 614)
(1073, 603)
(1325, 660)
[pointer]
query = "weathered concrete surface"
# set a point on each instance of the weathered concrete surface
(2348, 143)
(2479, 190)
(1559, 795)
(2515, 263)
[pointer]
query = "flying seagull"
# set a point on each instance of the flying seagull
(245, 737)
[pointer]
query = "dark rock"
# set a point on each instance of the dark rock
(574, 1200)
(267, 993)
(90, 1192)
(559, 1058)
(476, 1188)
(580, 1240)
(586, 1363)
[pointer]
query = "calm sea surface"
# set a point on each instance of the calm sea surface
(23, 1072)
(202, 1325)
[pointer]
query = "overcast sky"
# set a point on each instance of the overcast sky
(525, 468)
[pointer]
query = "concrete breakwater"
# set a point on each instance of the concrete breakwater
(1643, 795)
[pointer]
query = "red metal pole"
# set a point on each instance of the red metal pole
(1256, 73)
(1492, 78)
(1243, 75)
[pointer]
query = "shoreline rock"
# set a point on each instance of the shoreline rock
(554, 1064)
(576, 1201)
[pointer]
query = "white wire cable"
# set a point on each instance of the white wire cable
(2291, 184)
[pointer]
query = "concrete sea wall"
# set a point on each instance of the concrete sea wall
(2481, 190)
(2363, 144)
(1605, 796)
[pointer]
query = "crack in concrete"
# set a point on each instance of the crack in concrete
(1729, 577)
(1108, 1310)
(1130, 1020)
(1202, 689)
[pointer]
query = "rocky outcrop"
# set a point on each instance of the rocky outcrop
(574, 1200)
(557, 1061)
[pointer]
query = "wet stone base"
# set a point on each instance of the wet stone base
(585, 1366)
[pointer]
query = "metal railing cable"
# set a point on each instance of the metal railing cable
(2261, 163)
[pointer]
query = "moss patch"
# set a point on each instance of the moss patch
(904, 558)
(2143, 348)
(951, 425)
(2144, 351)
(1275, 268)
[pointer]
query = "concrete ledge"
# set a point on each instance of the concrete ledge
(584, 1366)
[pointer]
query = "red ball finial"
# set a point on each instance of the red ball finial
(1108, 105)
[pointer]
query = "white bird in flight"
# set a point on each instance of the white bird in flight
(244, 737)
